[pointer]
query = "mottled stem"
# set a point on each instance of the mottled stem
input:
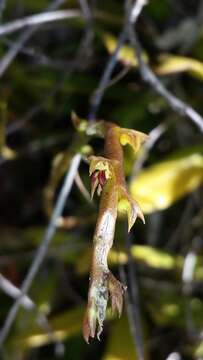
(108, 177)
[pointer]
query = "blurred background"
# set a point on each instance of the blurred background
(57, 68)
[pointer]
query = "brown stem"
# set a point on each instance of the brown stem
(108, 177)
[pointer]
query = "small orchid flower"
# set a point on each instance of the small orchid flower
(107, 177)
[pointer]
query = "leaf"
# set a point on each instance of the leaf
(170, 64)
(160, 185)
(126, 54)
(148, 255)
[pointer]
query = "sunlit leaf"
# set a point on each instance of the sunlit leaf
(170, 64)
(126, 54)
(160, 185)
(167, 64)
(148, 255)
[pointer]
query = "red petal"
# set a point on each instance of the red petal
(102, 177)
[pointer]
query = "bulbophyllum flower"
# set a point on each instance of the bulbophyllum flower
(107, 177)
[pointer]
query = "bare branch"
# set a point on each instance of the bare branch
(28, 304)
(103, 83)
(42, 250)
(38, 19)
(85, 9)
(147, 74)
(14, 292)
(23, 38)
(136, 10)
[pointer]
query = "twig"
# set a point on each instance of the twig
(38, 19)
(119, 76)
(103, 83)
(174, 356)
(28, 304)
(86, 10)
(136, 10)
(147, 74)
(23, 38)
(88, 16)
(41, 252)
(76, 64)
(14, 292)
(40, 58)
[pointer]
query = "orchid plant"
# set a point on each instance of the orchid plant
(108, 179)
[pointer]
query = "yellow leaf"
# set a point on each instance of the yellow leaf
(160, 185)
(170, 64)
(148, 255)
(126, 54)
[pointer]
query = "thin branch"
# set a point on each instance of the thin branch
(14, 292)
(38, 19)
(23, 38)
(11, 290)
(147, 74)
(88, 16)
(174, 356)
(40, 58)
(76, 64)
(42, 250)
(86, 10)
(136, 10)
(103, 83)
(119, 76)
